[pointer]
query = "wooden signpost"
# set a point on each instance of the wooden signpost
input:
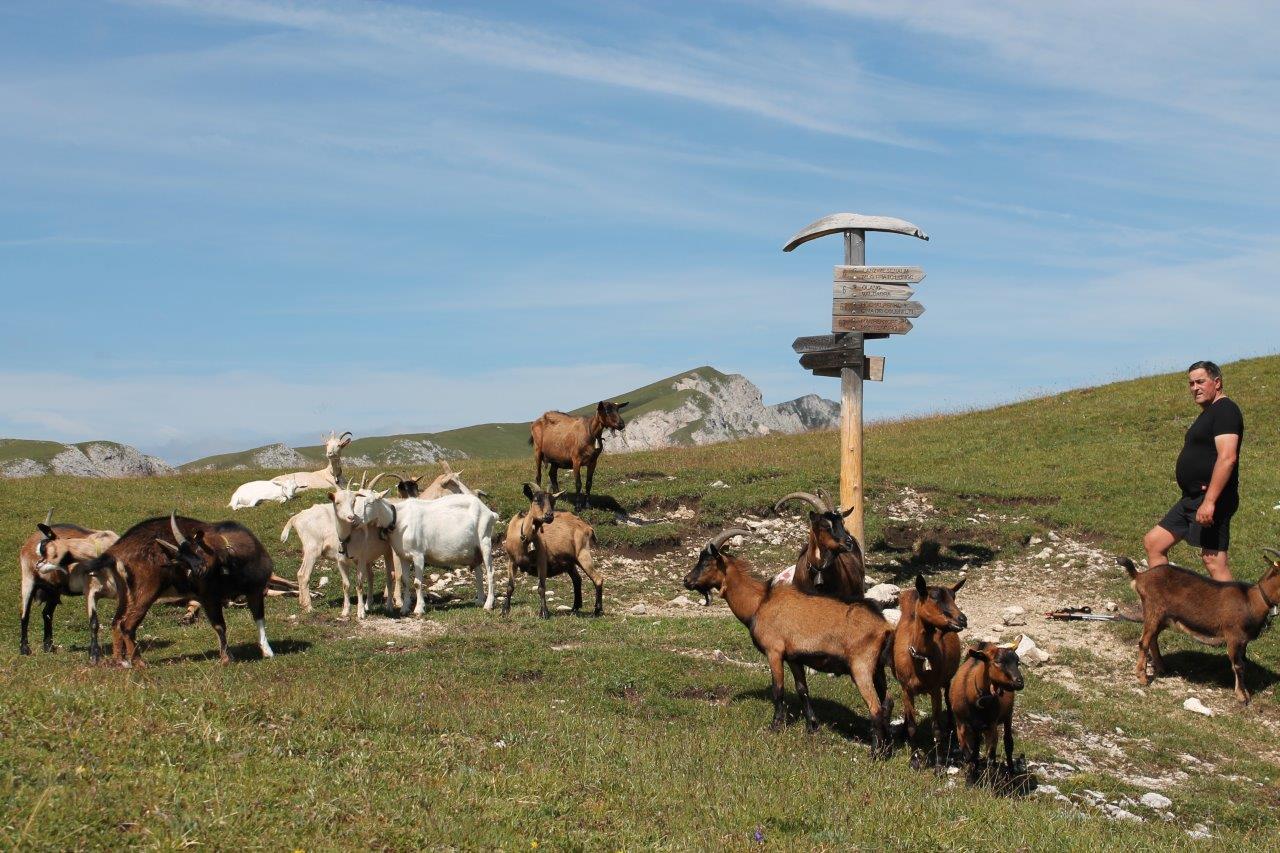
(867, 302)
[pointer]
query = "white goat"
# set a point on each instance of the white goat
(328, 477)
(455, 530)
(258, 491)
(318, 528)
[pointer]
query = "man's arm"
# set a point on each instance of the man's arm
(1228, 451)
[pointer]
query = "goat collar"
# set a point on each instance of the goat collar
(911, 650)
(384, 532)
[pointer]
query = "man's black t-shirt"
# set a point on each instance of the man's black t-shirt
(1200, 452)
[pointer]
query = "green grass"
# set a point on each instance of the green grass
(592, 734)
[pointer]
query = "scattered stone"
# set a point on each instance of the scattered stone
(1047, 789)
(1045, 554)
(1199, 831)
(1030, 653)
(1152, 800)
(1014, 615)
(892, 615)
(1053, 537)
(1117, 813)
(1195, 706)
(563, 608)
(719, 484)
(1110, 606)
(638, 610)
(680, 601)
(1034, 540)
(884, 593)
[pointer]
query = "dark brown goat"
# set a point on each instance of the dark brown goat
(926, 648)
(801, 630)
(1212, 611)
(565, 441)
(981, 698)
(831, 561)
(213, 563)
(546, 543)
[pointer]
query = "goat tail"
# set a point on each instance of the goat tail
(1127, 564)
(288, 526)
(886, 651)
(531, 440)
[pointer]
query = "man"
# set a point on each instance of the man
(1208, 476)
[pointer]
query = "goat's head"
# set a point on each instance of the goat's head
(936, 606)
(410, 488)
(610, 415)
(1269, 583)
(542, 505)
(826, 524)
(708, 573)
(197, 555)
(1002, 665)
(290, 487)
(334, 443)
(53, 555)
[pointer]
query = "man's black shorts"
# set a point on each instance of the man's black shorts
(1181, 522)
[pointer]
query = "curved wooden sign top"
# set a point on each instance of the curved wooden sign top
(839, 222)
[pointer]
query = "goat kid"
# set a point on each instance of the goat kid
(831, 562)
(546, 543)
(926, 648)
(800, 630)
(1211, 611)
(565, 441)
(981, 697)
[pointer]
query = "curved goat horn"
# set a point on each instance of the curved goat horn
(344, 435)
(726, 535)
(380, 476)
(447, 468)
(826, 499)
(48, 519)
(817, 502)
(177, 534)
(1272, 551)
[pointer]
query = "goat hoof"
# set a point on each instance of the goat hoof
(811, 726)
(24, 650)
(48, 647)
(544, 614)
(777, 725)
(599, 611)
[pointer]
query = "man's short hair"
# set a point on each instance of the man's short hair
(1208, 367)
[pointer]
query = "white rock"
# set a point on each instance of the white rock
(1047, 789)
(638, 609)
(892, 615)
(1200, 830)
(1152, 800)
(1117, 813)
(1014, 615)
(1053, 537)
(884, 593)
(1034, 540)
(680, 601)
(1197, 707)
(1044, 554)
(719, 484)
(1030, 653)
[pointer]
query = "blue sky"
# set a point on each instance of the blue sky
(227, 222)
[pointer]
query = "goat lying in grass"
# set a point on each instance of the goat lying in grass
(254, 492)
(1211, 611)
(801, 630)
(981, 698)
(831, 561)
(926, 648)
(546, 543)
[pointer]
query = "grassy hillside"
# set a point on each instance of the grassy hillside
(470, 730)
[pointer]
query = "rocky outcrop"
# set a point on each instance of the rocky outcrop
(96, 459)
(409, 451)
(721, 408)
(281, 456)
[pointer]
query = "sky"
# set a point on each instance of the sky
(225, 223)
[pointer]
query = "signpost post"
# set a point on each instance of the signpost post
(867, 303)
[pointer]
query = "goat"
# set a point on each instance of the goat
(831, 562)
(926, 647)
(258, 491)
(1209, 610)
(317, 528)
(565, 441)
(546, 543)
(213, 563)
(981, 697)
(48, 564)
(327, 477)
(802, 630)
(455, 530)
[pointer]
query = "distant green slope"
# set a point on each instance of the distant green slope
(40, 451)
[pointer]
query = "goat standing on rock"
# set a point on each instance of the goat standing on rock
(543, 542)
(565, 441)
(801, 630)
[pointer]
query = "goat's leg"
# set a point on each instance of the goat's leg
(909, 714)
(419, 604)
(391, 600)
(1235, 650)
(541, 557)
(304, 579)
(1154, 656)
(192, 614)
(802, 689)
(486, 557)
(511, 587)
(587, 562)
(552, 474)
(579, 499)
(576, 577)
(591, 475)
(46, 617)
(537, 469)
(939, 722)
(779, 707)
(343, 565)
(213, 610)
(1008, 742)
(868, 678)
(256, 600)
(27, 595)
(364, 586)
(141, 598)
(1149, 633)
(91, 605)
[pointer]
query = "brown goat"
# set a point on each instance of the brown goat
(926, 648)
(981, 698)
(46, 562)
(801, 630)
(565, 441)
(1209, 610)
(831, 562)
(546, 543)
(213, 563)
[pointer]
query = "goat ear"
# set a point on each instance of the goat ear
(959, 584)
(922, 588)
(528, 491)
(46, 530)
(848, 512)
(712, 550)
(199, 540)
(813, 517)
(333, 497)
(623, 405)
(979, 654)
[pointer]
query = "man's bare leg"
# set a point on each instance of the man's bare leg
(1216, 563)
(1157, 543)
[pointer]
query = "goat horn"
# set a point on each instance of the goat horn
(726, 535)
(1264, 550)
(177, 534)
(826, 499)
(380, 476)
(445, 464)
(48, 519)
(818, 503)
(344, 435)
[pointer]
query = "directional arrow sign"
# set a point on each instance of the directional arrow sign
(886, 325)
(872, 369)
(876, 308)
(830, 359)
(820, 343)
(853, 290)
(881, 275)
